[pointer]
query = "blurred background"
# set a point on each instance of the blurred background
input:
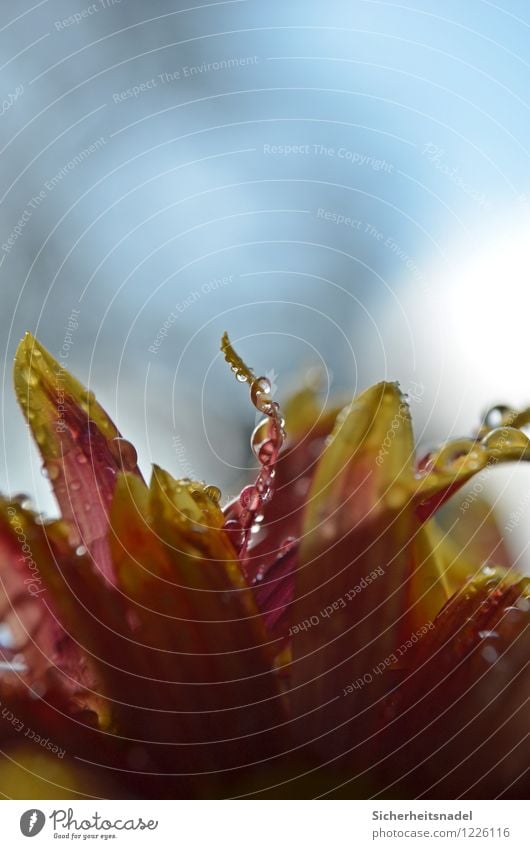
(339, 184)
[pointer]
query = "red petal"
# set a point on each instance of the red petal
(81, 448)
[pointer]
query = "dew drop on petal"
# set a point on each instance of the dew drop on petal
(266, 452)
(453, 452)
(489, 654)
(250, 498)
(260, 386)
(6, 637)
(213, 493)
(51, 471)
(124, 453)
(264, 404)
(287, 545)
(31, 377)
(235, 532)
(505, 439)
(259, 574)
(40, 436)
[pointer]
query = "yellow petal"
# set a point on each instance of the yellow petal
(195, 619)
(354, 560)
(28, 773)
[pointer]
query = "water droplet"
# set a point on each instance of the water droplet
(213, 493)
(264, 404)
(287, 545)
(124, 453)
(40, 436)
(464, 452)
(81, 550)
(6, 637)
(489, 654)
(488, 571)
(260, 386)
(265, 480)
(240, 376)
(488, 635)
(496, 416)
(51, 471)
(31, 377)
(506, 439)
(250, 498)
(301, 486)
(235, 532)
(259, 574)
(87, 398)
(266, 452)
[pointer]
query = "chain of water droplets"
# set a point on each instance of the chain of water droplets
(266, 442)
(501, 435)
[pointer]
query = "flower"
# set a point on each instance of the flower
(321, 635)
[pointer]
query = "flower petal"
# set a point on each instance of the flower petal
(32, 639)
(457, 725)
(196, 622)
(443, 473)
(351, 583)
(81, 448)
(473, 527)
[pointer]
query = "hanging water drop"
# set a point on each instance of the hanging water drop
(260, 386)
(250, 498)
(496, 416)
(266, 452)
(124, 453)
